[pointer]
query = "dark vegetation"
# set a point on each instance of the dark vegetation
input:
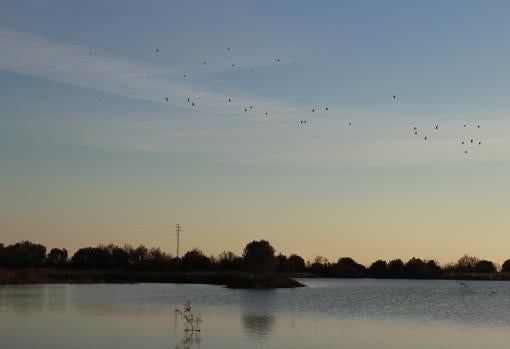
(258, 267)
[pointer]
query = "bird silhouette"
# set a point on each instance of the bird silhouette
(189, 100)
(350, 123)
(228, 48)
(204, 63)
(313, 110)
(230, 100)
(157, 50)
(278, 60)
(437, 126)
(394, 96)
(245, 109)
(233, 65)
(267, 113)
(166, 99)
(326, 108)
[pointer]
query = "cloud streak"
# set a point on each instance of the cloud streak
(72, 64)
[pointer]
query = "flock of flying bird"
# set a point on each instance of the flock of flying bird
(303, 122)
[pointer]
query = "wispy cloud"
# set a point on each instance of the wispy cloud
(85, 67)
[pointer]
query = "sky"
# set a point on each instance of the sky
(92, 152)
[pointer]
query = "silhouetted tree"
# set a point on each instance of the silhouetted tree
(466, 264)
(347, 267)
(282, 265)
(23, 254)
(258, 257)
(119, 257)
(505, 268)
(378, 268)
(320, 266)
(485, 267)
(195, 260)
(138, 255)
(229, 261)
(57, 257)
(296, 264)
(92, 258)
(416, 268)
(396, 268)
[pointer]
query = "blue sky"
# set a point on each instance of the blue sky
(92, 153)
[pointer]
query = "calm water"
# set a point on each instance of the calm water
(326, 314)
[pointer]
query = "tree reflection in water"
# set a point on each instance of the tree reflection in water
(257, 326)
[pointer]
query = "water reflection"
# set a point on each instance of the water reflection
(257, 315)
(190, 339)
(257, 326)
(33, 298)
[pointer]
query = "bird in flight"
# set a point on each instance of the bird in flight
(437, 127)
(166, 99)
(157, 50)
(394, 96)
(326, 108)
(278, 60)
(230, 100)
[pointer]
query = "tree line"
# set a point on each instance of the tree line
(257, 257)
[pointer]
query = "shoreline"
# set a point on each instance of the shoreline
(223, 278)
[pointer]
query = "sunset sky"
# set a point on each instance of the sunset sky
(91, 152)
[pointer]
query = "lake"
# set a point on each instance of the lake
(329, 313)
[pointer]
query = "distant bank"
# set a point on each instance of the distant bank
(258, 266)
